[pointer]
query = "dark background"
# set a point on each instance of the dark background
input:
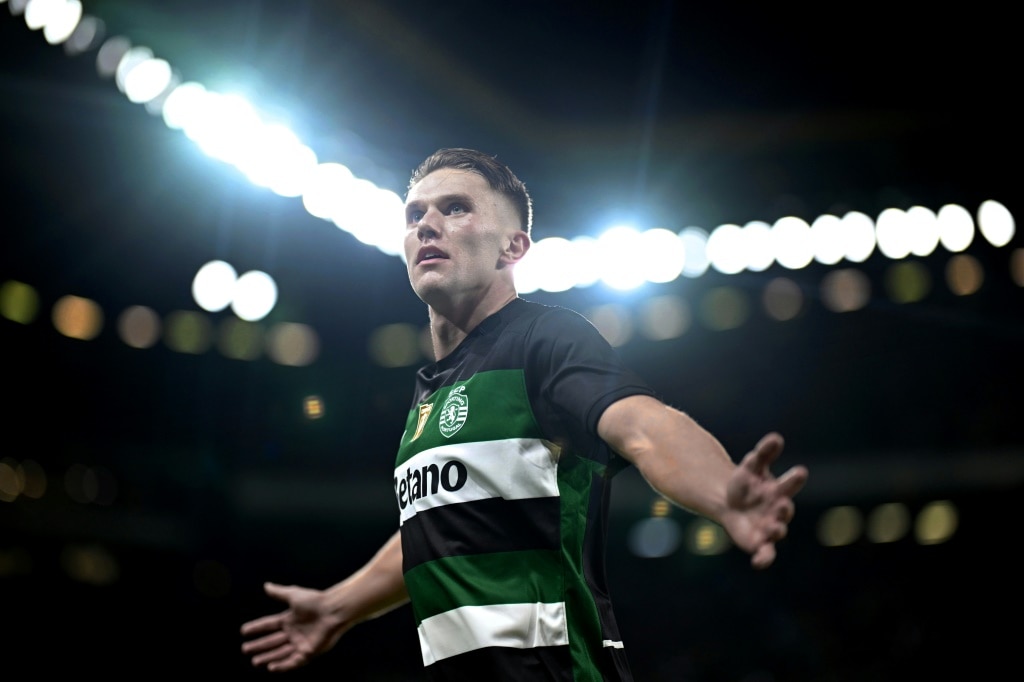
(670, 114)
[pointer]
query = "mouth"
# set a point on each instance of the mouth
(430, 253)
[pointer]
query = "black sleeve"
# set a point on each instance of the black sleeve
(574, 372)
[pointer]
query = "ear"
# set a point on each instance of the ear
(517, 246)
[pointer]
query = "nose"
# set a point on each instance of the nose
(426, 227)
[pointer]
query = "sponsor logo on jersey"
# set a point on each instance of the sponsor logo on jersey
(425, 410)
(425, 481)
(454, 412)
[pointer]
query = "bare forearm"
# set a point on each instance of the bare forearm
(376, 588)
(676, 456)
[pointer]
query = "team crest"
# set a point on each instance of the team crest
(454, 412)
(425, 409)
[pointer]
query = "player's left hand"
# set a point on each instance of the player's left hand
(759, 506)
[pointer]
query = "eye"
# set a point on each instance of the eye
(415, 216)
(457, 209)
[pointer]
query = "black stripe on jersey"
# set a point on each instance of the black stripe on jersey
(504, 664)
(595, 575)
(491, 525)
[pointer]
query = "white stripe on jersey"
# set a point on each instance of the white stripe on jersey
(468, 628)
(513, 469)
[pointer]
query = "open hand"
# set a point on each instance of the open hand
(293, 636)
(759, 506)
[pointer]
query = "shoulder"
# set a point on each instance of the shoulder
(539, 317)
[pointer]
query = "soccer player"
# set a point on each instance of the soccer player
(503, 473)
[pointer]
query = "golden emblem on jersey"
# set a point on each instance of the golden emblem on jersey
(425, 409)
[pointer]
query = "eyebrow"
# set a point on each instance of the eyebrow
(443, 199)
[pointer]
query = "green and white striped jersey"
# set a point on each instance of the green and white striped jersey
(502, 486)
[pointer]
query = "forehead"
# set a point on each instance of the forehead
(448, 182)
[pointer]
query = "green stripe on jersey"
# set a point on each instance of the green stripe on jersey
(576, 476)
(490, 405)
(478, 579)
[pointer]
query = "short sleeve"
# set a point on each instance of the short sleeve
(574, 371)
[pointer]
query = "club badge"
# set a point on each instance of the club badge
(454, 412)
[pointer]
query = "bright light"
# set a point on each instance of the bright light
(827, 239)
(923, 225)
(585, 263)
(227, 129)
(550, 259)
(278, 160)
(725, 249)
(996, 223)
(40, 12)
(128, 61)
(147, 80)
(757, 246)
(214, 285)
(60, 27)
(956, 227)
(322, 187)
(695, 242)
(892, 231)
(183, 104)
(791, 238)
(622, 258)
(372, 215)
(665, 254)
(858, 236)
(255, 296)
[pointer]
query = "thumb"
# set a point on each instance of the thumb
(279, 592)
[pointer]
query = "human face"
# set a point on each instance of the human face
(460, 238)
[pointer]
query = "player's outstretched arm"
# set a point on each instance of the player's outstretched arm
(315, 620)
(688, 465)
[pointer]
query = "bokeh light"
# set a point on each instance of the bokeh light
(783, 300)
(77, 317)
(705, 538)
(614, 323)
(663, 317)
(840, 526)
(845, 290)
(139, 326)
(936, 523)
(964, 274)
(996, 223)
(254, 296)
(240, 340)
(187, 331)
(888, 523)
(395, 345)
(293, 344)
(724, 308)
(654, 538)
(90, 564)
(19, 302)
(213, 287)
(907, 282)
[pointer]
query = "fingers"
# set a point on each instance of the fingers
(764, 453)
(793, 480)
(264, 624)
(276, 652)
(279, 592)
(281, 658)
(265, 643)
(763, 557)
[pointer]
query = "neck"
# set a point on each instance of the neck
(450, 324)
